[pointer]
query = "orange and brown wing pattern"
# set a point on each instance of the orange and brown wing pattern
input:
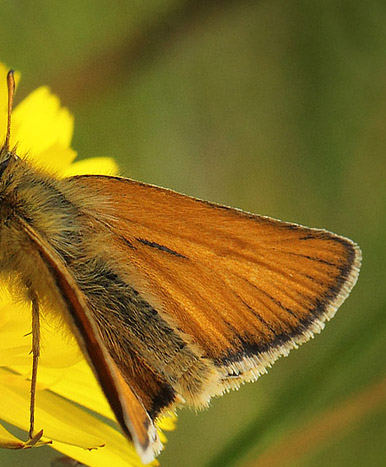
(244, 289)
(128, 409)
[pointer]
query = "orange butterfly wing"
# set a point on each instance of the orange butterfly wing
(244, 288)
(128, 409)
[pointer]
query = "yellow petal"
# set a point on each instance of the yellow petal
(59, 348)
(40, 122)
(13, 333)
(15, 356)
(55, 159)
(14, 344)
(167, 422)
(60, 419)
(118, 456)
(94, 165)
(117, 452)
(81, 386)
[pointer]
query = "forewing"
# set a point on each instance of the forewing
(244, 288)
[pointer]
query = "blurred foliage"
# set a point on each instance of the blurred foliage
(277, 107)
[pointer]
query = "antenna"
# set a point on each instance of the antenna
(11, 93)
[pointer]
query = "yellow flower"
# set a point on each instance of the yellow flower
(42, 130)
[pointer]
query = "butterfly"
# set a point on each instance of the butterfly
(173, 300)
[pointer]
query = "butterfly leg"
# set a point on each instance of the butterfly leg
(35, 359)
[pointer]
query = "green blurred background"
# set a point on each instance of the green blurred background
(276, 107)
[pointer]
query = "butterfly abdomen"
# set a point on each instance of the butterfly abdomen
(34, 197)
